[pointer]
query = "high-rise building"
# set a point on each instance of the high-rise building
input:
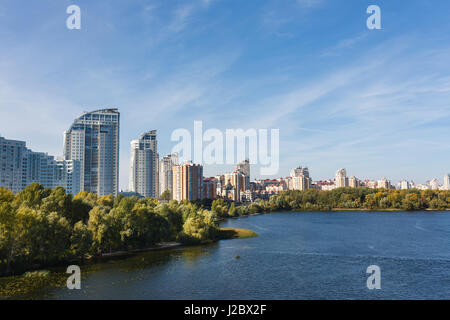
(68, 175)
(354, 182)
(244, 167)
(209, 188)
(341, 178)
(187, 182)
(11, 164)
(433, 184)
(405, 185)
(166, 173)
(20, 167)
(144, 178)
(234, 185)
(300, 179)
(39, 167)
(447, 182)
(93, 139)
(384, 184)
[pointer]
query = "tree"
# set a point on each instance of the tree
(105, 230)
(6, 195)
(58, 201)
(232, 212)
(31, 196)
(219, 207)
(80, 240)
(411, 202)
(200, 227)
(166, 195)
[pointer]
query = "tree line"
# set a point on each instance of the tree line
(341, 198)
(43, 227)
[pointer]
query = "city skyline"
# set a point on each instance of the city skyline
(319, 76)
(146, 170)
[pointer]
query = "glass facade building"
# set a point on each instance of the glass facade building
(93, 139)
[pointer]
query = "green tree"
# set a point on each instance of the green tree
(80, 240)
(232, 212)
(166, 195)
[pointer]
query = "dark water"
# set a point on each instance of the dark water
(296, 256)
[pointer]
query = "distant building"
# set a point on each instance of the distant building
(93, 139)
(300, 179)
(144, 165)
(354, 182)
(447, 182)
(248, 196)
(433, 184)
(166, 165)
(341, 178)
(384, 184)
(11, 161)
(68, 175)
(187, 182)
(209, 188)
(39, 167)
(235, 182)
(405, 185)
(244, 167)
(20, 167)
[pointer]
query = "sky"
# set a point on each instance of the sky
(376, 102)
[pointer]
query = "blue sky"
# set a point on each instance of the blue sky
(376, 102)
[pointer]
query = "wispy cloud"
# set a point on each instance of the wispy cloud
(367, 102)
(310, 3)
(344, 44)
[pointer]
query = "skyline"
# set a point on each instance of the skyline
(375, 102)
(151, 149)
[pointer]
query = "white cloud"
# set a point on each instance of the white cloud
(310, 3)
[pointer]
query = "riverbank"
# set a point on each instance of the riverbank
(22, 286)
(159, 246)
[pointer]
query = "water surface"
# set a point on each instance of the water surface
(315, 255)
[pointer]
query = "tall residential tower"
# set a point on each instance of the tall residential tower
(187, 182)
(144, 165)
(12, 153)
(166, 173)
(93, 139)
(447, 182)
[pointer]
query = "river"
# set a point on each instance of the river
(317, 255)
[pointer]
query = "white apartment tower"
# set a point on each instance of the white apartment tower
(12, 153)
(384, 184)
(447, 182)
(20, 167)
(93, 139)
(166, 173)
(341, 178)
(300, 178)
(405, 185)
(434, 184)
(144, 177)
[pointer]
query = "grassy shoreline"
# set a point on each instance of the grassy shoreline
(236, 233)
